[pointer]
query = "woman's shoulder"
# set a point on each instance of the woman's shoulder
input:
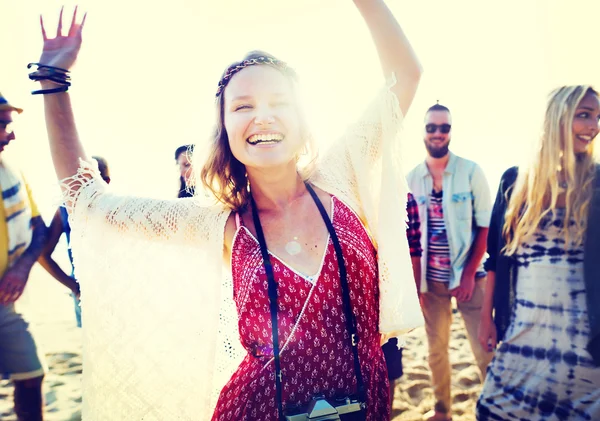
(509, 177)
(511, 173)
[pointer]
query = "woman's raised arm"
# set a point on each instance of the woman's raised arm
(60, 52)
(395, 52)
(85, 193)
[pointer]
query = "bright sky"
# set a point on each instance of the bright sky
(147, 74)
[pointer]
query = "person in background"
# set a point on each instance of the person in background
(542, 299)
(58, 227)
(187, 186)
(22, 238)
(454, 208)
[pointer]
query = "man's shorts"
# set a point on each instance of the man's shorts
(393, 358)
(19, 358)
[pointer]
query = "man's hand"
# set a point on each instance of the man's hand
(13, 283)
(464, 292)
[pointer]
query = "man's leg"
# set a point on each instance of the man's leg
(20, 361)
(471, 314)
(437, 311)
(29, 399)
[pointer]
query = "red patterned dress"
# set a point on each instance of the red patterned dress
(315, 354)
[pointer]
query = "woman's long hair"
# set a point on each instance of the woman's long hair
(222, 174)
(538, 186)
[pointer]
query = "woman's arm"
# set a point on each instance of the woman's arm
(54, 233)
(376, 131)
(61, 52)
(487, 329)
(395, 52)
(84, 190)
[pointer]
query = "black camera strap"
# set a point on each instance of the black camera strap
(272, 289)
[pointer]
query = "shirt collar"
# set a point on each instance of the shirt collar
(450, 168)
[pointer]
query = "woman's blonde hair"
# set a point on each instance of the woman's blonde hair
(538, 186)
(224, 175)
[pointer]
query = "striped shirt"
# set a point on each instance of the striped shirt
(438, 249)
(413, 227)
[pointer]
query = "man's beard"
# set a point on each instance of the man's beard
(437, 151)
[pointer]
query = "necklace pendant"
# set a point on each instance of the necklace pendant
(293, 247)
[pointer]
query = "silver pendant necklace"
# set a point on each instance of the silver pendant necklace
(293, 247)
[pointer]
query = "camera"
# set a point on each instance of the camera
(320, 409)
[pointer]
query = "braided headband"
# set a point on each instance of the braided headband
(281, 65)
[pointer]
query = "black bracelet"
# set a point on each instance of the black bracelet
(57, 75)
(63, 88)
(54, 77)
(43, 66)
(59, 80)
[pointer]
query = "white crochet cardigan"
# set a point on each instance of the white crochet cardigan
(160, 336)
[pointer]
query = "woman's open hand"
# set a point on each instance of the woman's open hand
(62, 50)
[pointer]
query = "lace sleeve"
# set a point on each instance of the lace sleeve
(364, 169)
(353, 167)
(89, 201)
(153, 301)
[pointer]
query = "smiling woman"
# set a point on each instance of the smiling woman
(542, 293)
(257, 111)
(286, 329)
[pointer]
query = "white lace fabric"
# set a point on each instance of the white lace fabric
(160, 334)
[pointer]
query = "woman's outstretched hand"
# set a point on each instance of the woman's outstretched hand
(62, 50)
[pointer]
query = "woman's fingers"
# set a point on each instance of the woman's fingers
(44, 36)
(493, 339)
(483, 339)
(73, 27)
(80, 29)
(59, 27)
(82, 21)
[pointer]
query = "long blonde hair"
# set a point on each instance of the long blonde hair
(537, 188)
(224, 175)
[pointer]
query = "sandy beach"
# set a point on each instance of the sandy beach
(414, 396)
(49, 308)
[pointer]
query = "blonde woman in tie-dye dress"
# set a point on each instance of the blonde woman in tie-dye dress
(544, 247)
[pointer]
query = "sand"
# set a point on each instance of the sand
(414, 395)
(49, 308)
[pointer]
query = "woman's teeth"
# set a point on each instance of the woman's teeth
(265, 138)
(586, 139)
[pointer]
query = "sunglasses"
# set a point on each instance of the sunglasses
(432, 128)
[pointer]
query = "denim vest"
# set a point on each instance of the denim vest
(466, 204)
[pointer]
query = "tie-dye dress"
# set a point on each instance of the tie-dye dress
(315, 354)
(542, 370)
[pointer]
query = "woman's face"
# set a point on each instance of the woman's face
(585, 122)
(261, 118)
(185, 168)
